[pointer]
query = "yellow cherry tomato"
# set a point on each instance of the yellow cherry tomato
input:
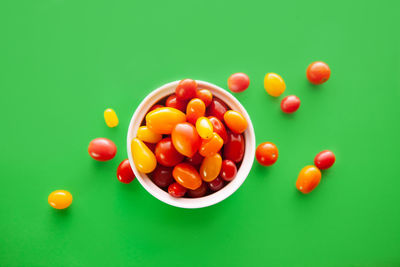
(211, 167)
(163, 120)
(110, 117)
(60, 199)
(235, 121)
(204, 128)
(143, 157)
(274, 84)
(147, 135)
(309, 177)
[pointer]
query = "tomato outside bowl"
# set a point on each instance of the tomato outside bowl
(214, 198)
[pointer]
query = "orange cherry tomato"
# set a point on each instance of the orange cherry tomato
(187, 176)
(185, 138)
(163, 120)
(205, 95)
(318, 72)
(60, 199)
(309, 177)
(194, 110)
(210, 167)
(267, 153)
(274, 84)
(235, 121)
(211, 146)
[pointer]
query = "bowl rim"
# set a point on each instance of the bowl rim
(214, 198)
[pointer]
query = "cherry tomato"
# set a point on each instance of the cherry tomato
(238, 82)
(318, 72)
(147, 135)
(211, 146)
(176, 190)
(204, 128)
(111, 118)
(143, 157)
(196, 160)
(217, 108)
(162, 176)
(156, 106)
(199, 192)
(185, 139)
(60, 199)
(234, 148)
(102, 149)
(210, 167)
(187, 176)
(186, 89)
(173, 102)
(324, 159)
(274, 84)
(194, 110)
(216, 184)
(166, 153)
(163, 120)
(267, 153)
(205, 95)
(219, 128)
(235, 121)
(309, 177)
(290, 104)
(228, 170)
(124, 172)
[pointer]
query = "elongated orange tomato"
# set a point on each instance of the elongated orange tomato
(309, 177)
(185, 138)
(163, 120)
(143, 157)
(187, 176)
(211, 146)
(235, 121)
(210, 167)
(147, 135)
(194, 110)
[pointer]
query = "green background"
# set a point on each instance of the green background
(64, 61)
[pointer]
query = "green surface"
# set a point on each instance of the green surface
(64, 61)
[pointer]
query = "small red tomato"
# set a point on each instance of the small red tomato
(199, 192)
(318, 72)
(102, 149)
(217, 108)
(216, 184)
(194, 110)
(290, 104)
(228, 170)
(156, 106)
(238, 82)
(266, 153)
(324, 159)
(185, 138)
(219, 128)
(196, 160)
(186, 89)
(234, 148)
(173, 102)
(166, 153)
(162, 176)
(176, 190)
(205, 95)
(124, 172)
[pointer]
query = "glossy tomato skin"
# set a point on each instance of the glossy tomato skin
(205, 95)
(267, 153)
(185, 138)
(290, 104)
(216, 184)
(234, 148)
(219, 128)
(324, 159)
(166, 154)
(238, 82)
(196, 160)
(173, 102)
(163, 120)
(102, 149)
(124, 172)
(308, 179)
(210, 167)
(162, 176)
(228, 170)
(318, 72)
(187, 176)
(274, 84)
(144, 159)
(217, 109)
(60, 199)
(186, 89)
(235, 121)
(176, 190)
(194, 110)
(199, 192)
(156, 106)
(211, 146)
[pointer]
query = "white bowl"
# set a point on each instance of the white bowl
(213, 198)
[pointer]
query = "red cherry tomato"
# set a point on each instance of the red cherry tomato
(166, 153)
(186, 89)
(156, 106)
(205, 95)
(185, 138)
(324, 159)
(318, 72)
(194, 110)
(187, 176)
(266, 153)
(196, 160)
(290, 104)
(217, 108)
(216, 184)
(176, 190)
(173, 102)
(102, 149)
(219, 128)
(199, 192)
(162, 176)
(238, 82)
(124, 172)
(228, 170)
(234, 148)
